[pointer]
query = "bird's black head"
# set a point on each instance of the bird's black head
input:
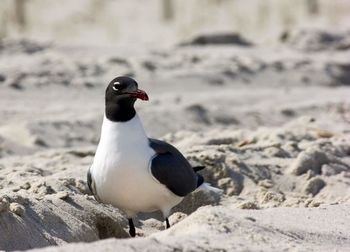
(121, 95)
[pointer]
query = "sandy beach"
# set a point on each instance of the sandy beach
(271, 123)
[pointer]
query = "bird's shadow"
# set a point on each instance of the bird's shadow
(153, 215)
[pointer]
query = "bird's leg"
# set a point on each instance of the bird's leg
(131, 228)
(167, 223)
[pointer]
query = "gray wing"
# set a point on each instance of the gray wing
(172, 169)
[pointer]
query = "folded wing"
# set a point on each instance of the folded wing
(172, 169)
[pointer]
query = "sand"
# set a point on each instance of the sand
(271, 125)
(230, 229)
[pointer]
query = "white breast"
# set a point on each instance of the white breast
(121, 170)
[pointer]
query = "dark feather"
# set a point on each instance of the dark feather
(198, 168)
(200, 180)
(172, 169)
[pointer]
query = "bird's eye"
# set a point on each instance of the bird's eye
(116, 86)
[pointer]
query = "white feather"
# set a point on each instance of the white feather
(207, 187)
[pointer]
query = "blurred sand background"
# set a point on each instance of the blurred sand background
(164, 22)
(257, 91)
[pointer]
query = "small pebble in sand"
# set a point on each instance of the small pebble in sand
(232, 187)
(272, 197)
(25, 186)
(310, 159)
(324, 133)
(177, 217)
(246, 142)
(266, 183)
(250, 218)
(62, 195)
(17, 209)
(81, 186)
(4, 204)
(311, 203)
(275, 152)
(314, 186)
(248, 205)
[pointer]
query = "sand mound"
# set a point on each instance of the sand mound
(317, 40)
(289, 166)
(226, 228)
(26, 46)
(218, 39)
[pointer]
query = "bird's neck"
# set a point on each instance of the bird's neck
(120, 112)
(123, 133)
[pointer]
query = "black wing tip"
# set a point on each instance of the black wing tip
(200, 180)
(198, 168)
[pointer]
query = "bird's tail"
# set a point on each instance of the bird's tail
(201, 185)
(207, 187)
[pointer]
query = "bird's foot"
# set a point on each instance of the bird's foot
(167, 223)
(132, 230)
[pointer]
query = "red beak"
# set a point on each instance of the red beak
(139, 94)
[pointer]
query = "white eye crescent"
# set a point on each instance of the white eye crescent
(114, 84)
